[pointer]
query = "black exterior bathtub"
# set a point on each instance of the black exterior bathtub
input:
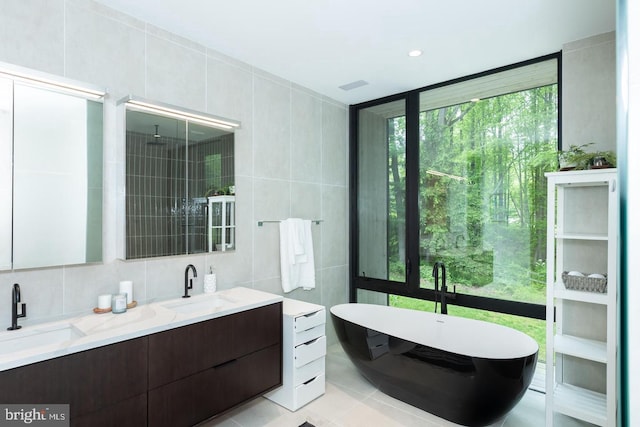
(466, 371)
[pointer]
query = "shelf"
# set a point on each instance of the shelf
(590, 178)
(583, 296)
(580, 403)
(581, 347)
(582, 236)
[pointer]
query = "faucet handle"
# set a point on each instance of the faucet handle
(434, 272)
(22, 308)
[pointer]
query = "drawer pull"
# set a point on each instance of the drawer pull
(301, 337)
(311, 380)
(310, 320)
(311, 342)
(310, 351)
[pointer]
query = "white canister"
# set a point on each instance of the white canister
(209, 283)
(104, 301)
(126, 287)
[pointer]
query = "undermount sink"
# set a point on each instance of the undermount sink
(32, 337)
(201, 303)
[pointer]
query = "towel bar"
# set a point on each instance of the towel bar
(261, 223)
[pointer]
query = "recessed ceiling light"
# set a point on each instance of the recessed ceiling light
(415, 52)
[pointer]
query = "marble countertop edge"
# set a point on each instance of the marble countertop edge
(97, 330)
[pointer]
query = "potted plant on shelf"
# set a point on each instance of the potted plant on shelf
(578, 158)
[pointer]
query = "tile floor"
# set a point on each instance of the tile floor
(351, 401)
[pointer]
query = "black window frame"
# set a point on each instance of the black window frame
(411, 287)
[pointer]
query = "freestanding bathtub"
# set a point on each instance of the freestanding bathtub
(467, 371)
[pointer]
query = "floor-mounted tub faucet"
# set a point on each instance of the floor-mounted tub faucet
(15, 304)
(188, 283)
(438, 268)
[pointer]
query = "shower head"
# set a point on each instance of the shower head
(156, 138)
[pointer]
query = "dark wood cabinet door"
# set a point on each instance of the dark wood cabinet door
(256, 329)
(87, 381)
(184, 351)
(249, 377)
(198, 397)
(180, 352)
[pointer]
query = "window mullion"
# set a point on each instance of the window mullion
(412, 187)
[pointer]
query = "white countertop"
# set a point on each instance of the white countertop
(294, 308)
(44, 341)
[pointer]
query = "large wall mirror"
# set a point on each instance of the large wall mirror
(51, 175)
(180, 185)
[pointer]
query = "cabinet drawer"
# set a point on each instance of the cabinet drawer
(306, 372)
(309, 334)
(77, 379)
(305, 393)
(184, 351)
(307, 352)
(193, 399)
(303, 323)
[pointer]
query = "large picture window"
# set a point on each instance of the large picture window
(454, 173)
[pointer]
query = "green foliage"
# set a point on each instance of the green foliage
(482, 165)
(579, 158)
(482, 200)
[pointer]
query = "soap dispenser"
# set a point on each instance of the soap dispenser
(210, 281)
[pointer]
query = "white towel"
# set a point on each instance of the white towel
(297, 266)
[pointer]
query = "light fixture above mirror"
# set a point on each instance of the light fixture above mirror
(36, 78)
(153, 107)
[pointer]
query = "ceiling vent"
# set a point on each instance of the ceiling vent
(353, 85)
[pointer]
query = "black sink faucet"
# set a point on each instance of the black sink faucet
(15, 303)
(188, 283)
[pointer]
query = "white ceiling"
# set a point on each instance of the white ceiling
(324, 44)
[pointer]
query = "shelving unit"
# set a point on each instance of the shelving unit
(582, 235)
(221, 223)
(304, 348)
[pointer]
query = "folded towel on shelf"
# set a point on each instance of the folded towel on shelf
(297, 266)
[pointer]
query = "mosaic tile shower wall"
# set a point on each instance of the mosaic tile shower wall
(166, 192)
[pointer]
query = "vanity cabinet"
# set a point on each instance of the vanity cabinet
(103, 386)
(304, 349)
(582, 235)
(201, 370)
(177, 377)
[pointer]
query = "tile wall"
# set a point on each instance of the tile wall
(154, 196)
(589, 92)
(291, 154)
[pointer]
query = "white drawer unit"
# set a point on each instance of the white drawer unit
(309, 351)
(304, 346)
